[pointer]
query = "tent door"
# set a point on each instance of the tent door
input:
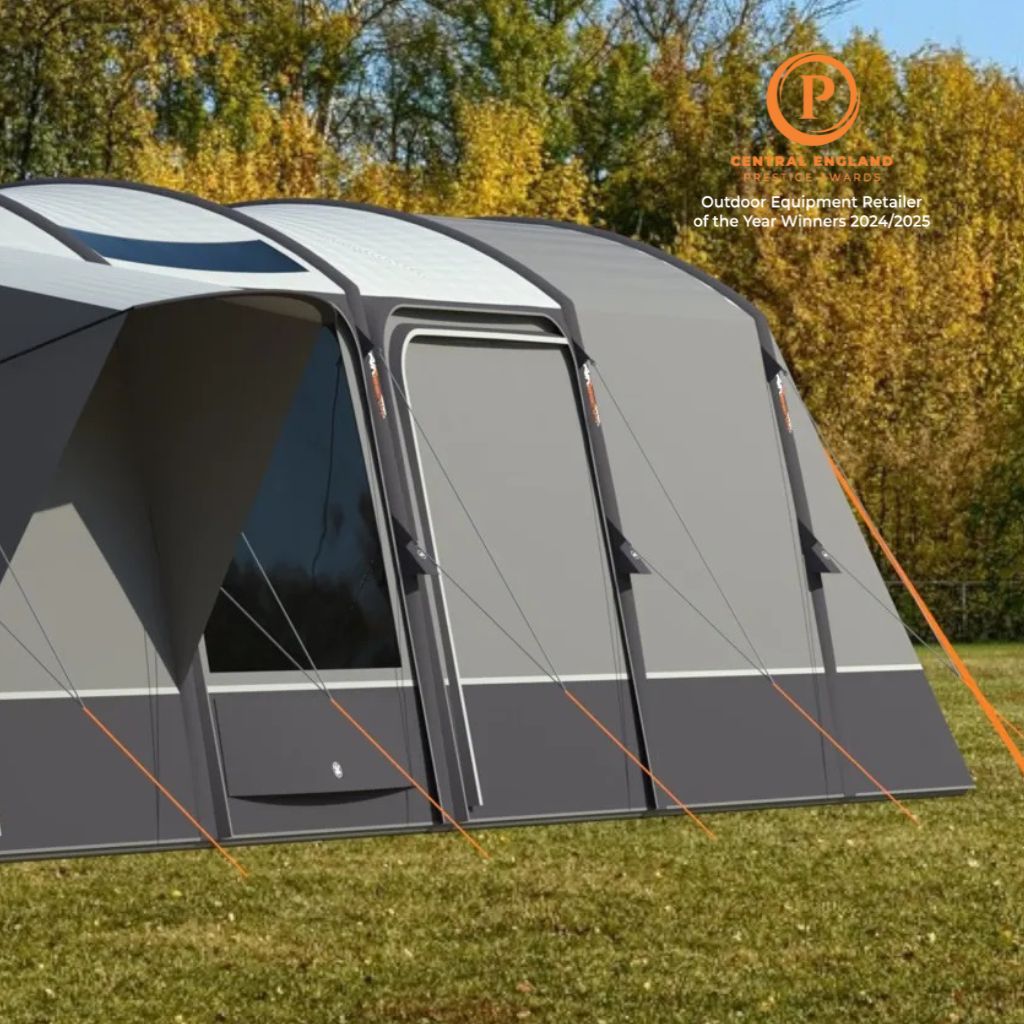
(291, 763)
(508, 501)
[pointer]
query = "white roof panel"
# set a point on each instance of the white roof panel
(136, 228)
(93, 283)
(385, 255)
(18, 233)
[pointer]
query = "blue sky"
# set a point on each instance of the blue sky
(989, 30)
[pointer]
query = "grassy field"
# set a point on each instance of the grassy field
(832, 915)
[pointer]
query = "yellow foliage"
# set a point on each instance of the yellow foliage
(284, 157)
(383, 184)
(501, 171)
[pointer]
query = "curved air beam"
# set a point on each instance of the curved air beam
(525, 272)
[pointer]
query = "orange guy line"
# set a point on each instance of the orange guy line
(412, 782)
(1010, 724)
(969, 681)
(849, 757)
(629, 753)
(184, 811)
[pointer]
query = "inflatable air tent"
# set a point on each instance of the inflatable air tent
(262, 462)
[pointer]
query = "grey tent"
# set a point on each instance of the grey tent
(443, 472)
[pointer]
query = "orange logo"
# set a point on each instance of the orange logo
(816, 88)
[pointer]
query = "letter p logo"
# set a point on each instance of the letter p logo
(828, 90)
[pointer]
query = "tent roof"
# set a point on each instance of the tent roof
(582, 264)
(109, 288)
(177, 236)
(19, 233)
(388, 255)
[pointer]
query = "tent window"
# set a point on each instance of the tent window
(250, 257)
(314, 528)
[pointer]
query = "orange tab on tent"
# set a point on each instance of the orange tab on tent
(588, 383)
(783, 403)
(378, 390)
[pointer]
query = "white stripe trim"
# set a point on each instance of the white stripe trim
(172, 691)
(348, 684)
(915, 667)
(128, 691)
(600, 677)
(392, 684)
(594, 677)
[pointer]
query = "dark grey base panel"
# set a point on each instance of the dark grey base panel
(734, 740)
(483, 823)
(65, 787)
(538, 754)
(893, 724)
(726, 743)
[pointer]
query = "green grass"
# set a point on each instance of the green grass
(825, 914)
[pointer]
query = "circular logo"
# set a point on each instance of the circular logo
(816, 88)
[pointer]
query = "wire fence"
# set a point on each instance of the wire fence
(967, 609)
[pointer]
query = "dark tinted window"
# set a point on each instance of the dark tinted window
(252, 257)
(313, 528)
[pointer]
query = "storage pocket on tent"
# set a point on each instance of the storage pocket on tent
(296, 745)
